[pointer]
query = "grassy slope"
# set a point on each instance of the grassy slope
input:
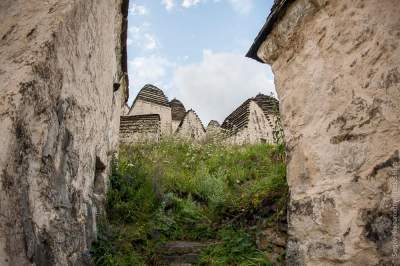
(183, 191)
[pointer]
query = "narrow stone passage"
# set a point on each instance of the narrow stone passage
(79, 185)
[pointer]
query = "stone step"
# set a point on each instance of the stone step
(181, 253)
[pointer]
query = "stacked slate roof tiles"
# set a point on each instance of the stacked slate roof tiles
(139, 123)
(239, 118)
(178, 110)
(152, 94)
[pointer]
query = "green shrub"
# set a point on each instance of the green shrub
(235, 247)
(185, 191)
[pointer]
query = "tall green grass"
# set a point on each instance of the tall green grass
(184, 191)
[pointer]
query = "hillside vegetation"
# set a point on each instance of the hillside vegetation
(223, 196)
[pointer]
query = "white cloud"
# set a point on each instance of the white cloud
(168, 4)
(150, 68)
(190, 3)
(143, 70)
(219, 83)
(242, 6)
(133, 29)
(138, 9)
(214, 87)
(129, 42)
(142, 38)
(150, 41)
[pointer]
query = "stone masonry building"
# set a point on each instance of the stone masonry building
(140, 128)
(151, 113)
(191, 127)
(252, 122)
(214, 132)
(151, 100)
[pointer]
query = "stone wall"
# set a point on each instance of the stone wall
(191, 127)
(175, 124)
(257, 128)
(125, 109)
(141, 107)
(63, 86)
(337, 74)
(139, 128)
(214, 132)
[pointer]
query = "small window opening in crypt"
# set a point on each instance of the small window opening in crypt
(99, 177)
(116, 86)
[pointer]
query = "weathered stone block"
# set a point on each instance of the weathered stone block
(336, 74)
(59, 115)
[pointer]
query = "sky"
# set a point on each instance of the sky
(194, 50)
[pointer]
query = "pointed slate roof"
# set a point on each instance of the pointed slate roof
(213, 123)
(239, 118)
(178, 110)
(268, 104)
(152, 94)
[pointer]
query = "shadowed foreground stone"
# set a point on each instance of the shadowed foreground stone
(63, 85)
(337, 74)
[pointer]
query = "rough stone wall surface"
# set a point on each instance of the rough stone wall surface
(214, 132)
(257, 129)
(141, 128)
(175, 125)
(142, 108)
(191, 127)
(337, 73)
(62, 89)
(125, 110)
